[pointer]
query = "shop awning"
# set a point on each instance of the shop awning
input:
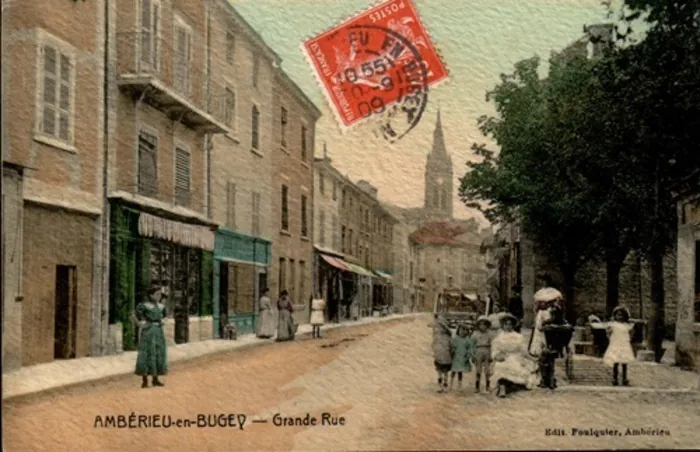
(358, 270)
(383, 275)
(335, 262)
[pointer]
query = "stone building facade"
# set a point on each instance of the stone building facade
(293, 131)
(241, 182)
(53, 57)
(164, 109)
(687, 332)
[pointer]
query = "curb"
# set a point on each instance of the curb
(629, 390)
(29, 396)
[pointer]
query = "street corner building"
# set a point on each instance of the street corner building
(688, 325)
(53, 154)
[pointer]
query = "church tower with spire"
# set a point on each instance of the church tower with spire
(438, 178)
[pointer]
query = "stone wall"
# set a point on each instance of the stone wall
(635, 287)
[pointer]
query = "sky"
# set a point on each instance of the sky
(478, 40)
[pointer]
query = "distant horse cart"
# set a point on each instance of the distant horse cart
(459, 308)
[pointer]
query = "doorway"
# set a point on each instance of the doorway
(223, 297)
(65, 331)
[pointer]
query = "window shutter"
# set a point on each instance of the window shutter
(231, 203)
(255, 139)
(155, 46)
(322, 227)
(48, 124)
(182, 177)
(230, 47)
(230, 107)
(304, 216)
(146, 32)
(148, 169)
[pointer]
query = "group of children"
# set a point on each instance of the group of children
(454, 355)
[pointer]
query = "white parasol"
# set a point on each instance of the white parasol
(548, 294)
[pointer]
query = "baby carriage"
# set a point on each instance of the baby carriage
(557, 334)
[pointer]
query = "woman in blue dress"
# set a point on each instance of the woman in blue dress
(152, 357)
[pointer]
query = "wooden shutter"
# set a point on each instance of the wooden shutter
(304, 224)
(283, 132)
(182, 177)
(285, 208)
(64, 99)
(48, 123)
(230, 107)
(303, 142)
(148, 168)
(230, 47)
(146, 32)
(183, 43)
(255, 138)
(231, 204)
(322, 227)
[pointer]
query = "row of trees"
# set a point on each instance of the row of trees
(594, 159)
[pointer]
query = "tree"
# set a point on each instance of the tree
(533, 178)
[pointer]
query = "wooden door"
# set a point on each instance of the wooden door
(65, 318)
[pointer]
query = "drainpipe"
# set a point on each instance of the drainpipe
(208, 138)
(104, 289)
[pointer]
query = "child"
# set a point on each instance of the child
(557, 333)
(620, 347)
(442, 339)
(462, 353)
(482, 351)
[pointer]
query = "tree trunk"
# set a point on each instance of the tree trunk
(570, 294)
(612, 287)
(656, 316)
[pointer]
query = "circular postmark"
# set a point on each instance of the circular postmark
(387, 77)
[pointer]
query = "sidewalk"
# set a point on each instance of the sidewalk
(58, 374)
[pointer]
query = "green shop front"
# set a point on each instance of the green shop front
(154, 248)
(240, 276)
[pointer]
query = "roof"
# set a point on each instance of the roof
(441, 233)
(250, 31)
(284, 79)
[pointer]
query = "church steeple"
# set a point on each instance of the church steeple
(438, 176)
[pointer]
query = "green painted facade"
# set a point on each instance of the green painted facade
(241, 248)
(130, 271)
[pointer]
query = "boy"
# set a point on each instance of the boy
(482, 356)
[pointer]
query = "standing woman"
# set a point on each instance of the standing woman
(317, 318)
(266, 325)
(152, 357)
(285, 325)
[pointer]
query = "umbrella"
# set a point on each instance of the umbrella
(548, 294)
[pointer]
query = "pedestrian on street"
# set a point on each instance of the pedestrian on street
(537, 340)
(286, 329)
(513, 368)
(463, 346)
(515, 305)
(152, 356)
(317, 319)
(482, 339)
(442, 342)
(619, 350)
(266, 323)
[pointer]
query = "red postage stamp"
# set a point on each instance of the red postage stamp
(377, 60)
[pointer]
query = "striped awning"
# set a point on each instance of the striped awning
(335, 262)
(383, 275)
(358, 270)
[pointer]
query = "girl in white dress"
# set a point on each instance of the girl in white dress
(619, 350)
(317, 319)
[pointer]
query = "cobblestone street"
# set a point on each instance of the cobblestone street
(380, 378)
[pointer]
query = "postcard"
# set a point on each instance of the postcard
(366, 225)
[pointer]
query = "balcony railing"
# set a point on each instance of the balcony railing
(169, 80)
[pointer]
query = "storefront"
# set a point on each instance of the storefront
(149, 249)
(364, 283)
(240, 276)
(329, 280)
(382, 295)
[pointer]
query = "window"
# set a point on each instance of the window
(322, 227)
(350, 242)
(304, 217)
(256, 214)
(57, 99)
(334, 231)
(302, 281)
(256, 70)
(183, 47)
(285, 208)
(230, 114)
(321, 183)
(410, 277)
(335, 190)
(342, 239)
(283, 127)
(148, 164)
(367, 256)
(282, 276)
(255, 121)
(182, 177)
(149, 34)
(292, 288)
(344, 196)
(231, 205)
(697, 281)
(230, 47)
(303, 143)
